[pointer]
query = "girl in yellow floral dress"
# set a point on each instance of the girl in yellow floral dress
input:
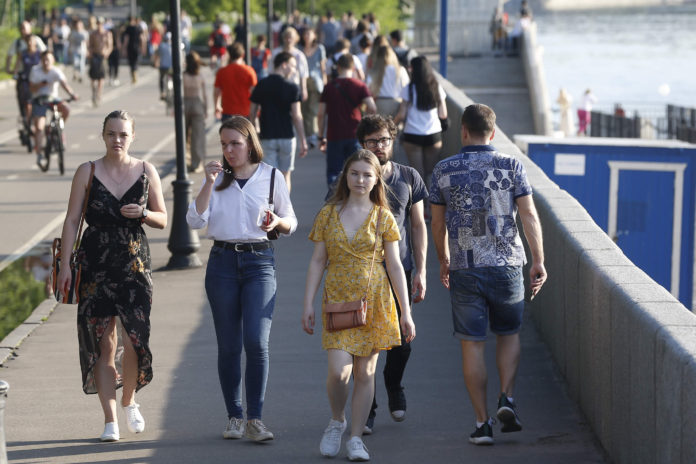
(344, 235)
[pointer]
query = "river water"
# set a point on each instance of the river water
(641, 58)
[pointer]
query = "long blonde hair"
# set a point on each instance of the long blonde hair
(385, 57)
(378, 194)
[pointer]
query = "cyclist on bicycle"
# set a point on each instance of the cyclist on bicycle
(21, 67)
(43, 82)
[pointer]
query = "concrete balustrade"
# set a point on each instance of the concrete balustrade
(626, 347)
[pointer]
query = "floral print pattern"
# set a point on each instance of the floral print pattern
(347, 272)
(116, 279)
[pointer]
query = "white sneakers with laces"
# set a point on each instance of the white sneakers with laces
(110, 432)
(134, 419)
(234, 428)
(357, 451)
(331, 440)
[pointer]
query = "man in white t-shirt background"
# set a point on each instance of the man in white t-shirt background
(43, 83)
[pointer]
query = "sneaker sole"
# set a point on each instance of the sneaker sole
(509, 420)
(481, 441)
(259, 439)
(230, 436)
(108, 439)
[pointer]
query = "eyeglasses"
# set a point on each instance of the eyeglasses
(374, 143)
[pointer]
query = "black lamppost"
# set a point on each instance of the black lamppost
(183, 242)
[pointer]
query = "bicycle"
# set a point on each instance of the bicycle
(54, 137)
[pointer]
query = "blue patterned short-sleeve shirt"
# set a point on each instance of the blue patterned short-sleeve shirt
(479, 186)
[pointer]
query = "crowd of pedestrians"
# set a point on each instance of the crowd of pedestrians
(361, 96)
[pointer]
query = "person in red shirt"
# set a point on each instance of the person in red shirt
(343, 101)
(217, 42)
(233, 85)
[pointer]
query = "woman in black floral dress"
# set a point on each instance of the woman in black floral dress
(116, 280)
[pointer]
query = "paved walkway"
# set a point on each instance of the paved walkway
(49, 420)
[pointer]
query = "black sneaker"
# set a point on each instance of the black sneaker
(507, 415)
(482, 435)
(397, 404)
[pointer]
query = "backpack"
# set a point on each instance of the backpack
(219, 39)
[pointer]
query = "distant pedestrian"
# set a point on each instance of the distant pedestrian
(99, 47)
(233, 85)
(115, 285)
(330, 31)
(475, 196)
(260, 55)
(279, 102)
(565, 104)
(133, 46)
(386, 80)
(354, 228)
(163, 60)
(240, 280)
(195, 112)
(61, 43)
(341, 103)
(218, 42)
(290, 39)
(114, 57)
(403, 52)
(316, 62)
(342, 47)
(422, 107)
(585, 111)
(78, 49)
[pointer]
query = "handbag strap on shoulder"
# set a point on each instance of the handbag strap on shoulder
(84, 206)
(374, 249)
(270, 193)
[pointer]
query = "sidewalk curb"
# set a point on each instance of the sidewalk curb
(14, 339)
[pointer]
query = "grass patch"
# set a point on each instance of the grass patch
(20, 293)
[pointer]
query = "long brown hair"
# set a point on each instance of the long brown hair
(378, 194)
(385, 57)
(244, 127)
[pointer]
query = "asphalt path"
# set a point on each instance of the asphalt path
(49, 420)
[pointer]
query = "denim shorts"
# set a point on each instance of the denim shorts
(280, 153)
(484, 294)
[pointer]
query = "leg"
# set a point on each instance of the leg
(130, 370)
(257, 301)
(363, 391)
(337, 380)
(431, 155)
(105, 372)
(475, 376)
(39, 125)
(508, 359)
(414, 154)
(222, 288)
(287, 175)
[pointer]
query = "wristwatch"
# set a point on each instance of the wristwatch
(145, 212)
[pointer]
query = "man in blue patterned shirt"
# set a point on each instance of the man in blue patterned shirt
(475, 196)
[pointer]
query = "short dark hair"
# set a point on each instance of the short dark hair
(280, 58)
(236, 51)
(372, 123)
(396, 35)
(479, 119)
(345, 61)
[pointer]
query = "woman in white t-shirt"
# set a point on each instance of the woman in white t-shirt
(386, 80)
(422, 107)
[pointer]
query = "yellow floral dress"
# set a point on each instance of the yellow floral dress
(347, 273)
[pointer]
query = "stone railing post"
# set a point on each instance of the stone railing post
(4, 386)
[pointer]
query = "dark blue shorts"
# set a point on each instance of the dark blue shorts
(486, 295)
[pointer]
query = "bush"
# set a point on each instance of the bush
(20, 293)
(7, 36)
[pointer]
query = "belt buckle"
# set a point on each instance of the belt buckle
(239, 247)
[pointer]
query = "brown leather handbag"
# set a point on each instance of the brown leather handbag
(351, 314)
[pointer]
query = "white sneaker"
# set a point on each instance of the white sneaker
(331, 440)
(134, 419)
(357, 451)
(110, 432)
(234, 428)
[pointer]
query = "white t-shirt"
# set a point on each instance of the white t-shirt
(421, 122)
(392, 83)
(53, 77)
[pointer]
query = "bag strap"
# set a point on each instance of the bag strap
(344, 93)
(270, 193)
(84, 207)
(374, 249)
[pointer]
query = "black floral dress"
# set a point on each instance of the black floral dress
(116, 279)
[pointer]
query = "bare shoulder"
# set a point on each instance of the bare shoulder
(150, 170)
(83, 172)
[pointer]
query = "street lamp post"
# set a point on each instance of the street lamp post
(183, 242)
(443, 38)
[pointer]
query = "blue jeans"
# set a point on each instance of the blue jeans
(337, 151)
(241, 289)
(484, 294)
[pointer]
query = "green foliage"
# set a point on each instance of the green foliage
(7, 36)
(19, 295)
